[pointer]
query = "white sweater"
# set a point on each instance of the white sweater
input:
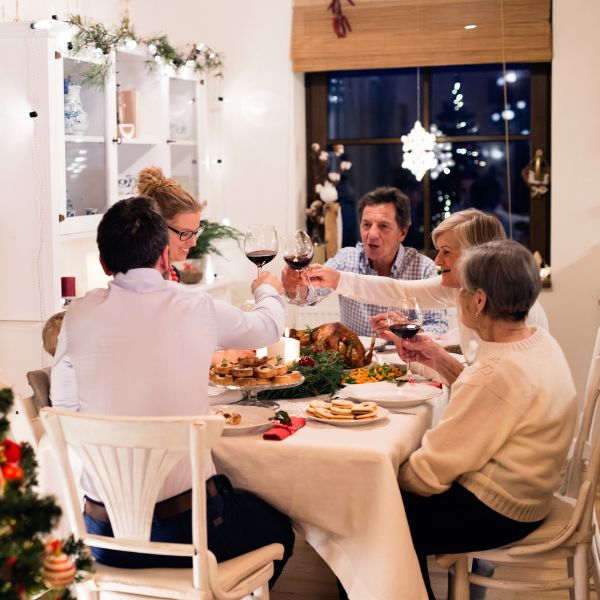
(429, 294)
(506, 430)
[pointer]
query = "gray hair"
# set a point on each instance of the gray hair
(471, 227)
(508, 274)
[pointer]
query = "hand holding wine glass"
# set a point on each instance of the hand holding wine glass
(260, 244)
(298, 251)
(405, 319)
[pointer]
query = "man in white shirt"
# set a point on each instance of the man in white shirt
(143, 347)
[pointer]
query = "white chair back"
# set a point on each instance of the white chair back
(24, 419)
(589, 424)
(25, 425)
(129, 459)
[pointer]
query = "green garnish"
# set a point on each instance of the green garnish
(282, 417)
(322, 375)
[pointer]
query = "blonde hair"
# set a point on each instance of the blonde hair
(50, 332)
(471, 227)
(171, 198)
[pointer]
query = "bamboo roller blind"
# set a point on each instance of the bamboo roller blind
(410, 33)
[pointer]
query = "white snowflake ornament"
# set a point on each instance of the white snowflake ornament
(418, 151)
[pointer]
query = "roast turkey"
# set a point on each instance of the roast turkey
(335, 336)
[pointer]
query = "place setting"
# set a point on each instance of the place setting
(324, 374)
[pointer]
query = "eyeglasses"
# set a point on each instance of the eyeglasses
(184, 236)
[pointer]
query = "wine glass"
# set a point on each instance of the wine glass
(260, 244)
(405, 319)
(298, 251)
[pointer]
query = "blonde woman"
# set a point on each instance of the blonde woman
(179, 209)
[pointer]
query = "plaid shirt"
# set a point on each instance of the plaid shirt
(409, 264)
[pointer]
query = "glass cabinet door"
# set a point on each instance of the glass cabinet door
(85, 143)
(183, 133)
(140, 126)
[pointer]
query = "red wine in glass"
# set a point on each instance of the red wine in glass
(405, 320)
(405, 330)
(298, 261)
(298, 251)
(261, 257)
(260, 244)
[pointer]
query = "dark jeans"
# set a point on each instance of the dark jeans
(237, 522)
(457, 521)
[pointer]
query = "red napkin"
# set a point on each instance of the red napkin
(281, 431)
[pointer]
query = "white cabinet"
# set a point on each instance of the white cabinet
(48, 173)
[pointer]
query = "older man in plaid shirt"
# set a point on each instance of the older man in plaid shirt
(384, 221)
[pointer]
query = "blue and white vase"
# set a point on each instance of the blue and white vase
(76, 119)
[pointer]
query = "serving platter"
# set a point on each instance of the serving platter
(249, 393)
(389, 394)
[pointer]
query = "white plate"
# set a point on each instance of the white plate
(388, 394)
(382, 413)
(254, 418)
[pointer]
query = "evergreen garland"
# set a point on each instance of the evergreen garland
(26, 521)
(322, 371)
(95, 36)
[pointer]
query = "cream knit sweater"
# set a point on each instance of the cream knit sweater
(506, 430)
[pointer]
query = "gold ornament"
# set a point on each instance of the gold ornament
(58, 571)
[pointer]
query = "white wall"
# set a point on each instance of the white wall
(572, 304)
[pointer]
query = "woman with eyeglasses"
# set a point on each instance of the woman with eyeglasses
(179, 209)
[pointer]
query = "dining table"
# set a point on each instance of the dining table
(339, 486)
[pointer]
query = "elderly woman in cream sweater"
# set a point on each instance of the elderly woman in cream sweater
(485, 475)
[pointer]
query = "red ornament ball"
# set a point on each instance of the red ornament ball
(12, 472)
(58, 571)
(12, 451)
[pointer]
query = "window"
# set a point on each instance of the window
(368, 112)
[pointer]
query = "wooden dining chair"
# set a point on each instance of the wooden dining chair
(24, 418)
(567, 533)
(129, 459)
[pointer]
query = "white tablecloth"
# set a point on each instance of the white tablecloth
(339, 486)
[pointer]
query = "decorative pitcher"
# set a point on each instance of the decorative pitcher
(76, 119)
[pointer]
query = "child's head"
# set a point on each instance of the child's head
(51, 331)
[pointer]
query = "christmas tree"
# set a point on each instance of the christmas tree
(31, 563)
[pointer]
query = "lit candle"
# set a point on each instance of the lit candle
(287, 348)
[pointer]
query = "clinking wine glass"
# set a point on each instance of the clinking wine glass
(260, 244)
(405, 319)
(298, 251)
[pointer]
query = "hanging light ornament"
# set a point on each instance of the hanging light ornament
(418, 147)
(418, 151)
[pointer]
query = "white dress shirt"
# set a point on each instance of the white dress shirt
(143, 347)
